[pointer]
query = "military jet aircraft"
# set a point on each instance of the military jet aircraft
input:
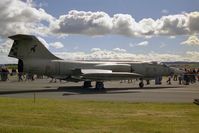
(33, 57)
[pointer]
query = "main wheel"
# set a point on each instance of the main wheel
(87, 84)
(141, 84)
(99, 86)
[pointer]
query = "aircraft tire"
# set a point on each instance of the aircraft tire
(87, 84)
(99, 86)
(141, 84)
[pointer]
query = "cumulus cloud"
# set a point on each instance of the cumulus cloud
(4, 50)
(21, 17)
(25, 17)
(95, 49)
(173, 25)
(172, 37)
(123, 24)
(7, 60)
(192, 40)
(5, 46)
(192, 55)
(114, 55)
(193, 19)
(119, 50)
(144, 43)
(57, 45)
(100, 23)
(80, 22)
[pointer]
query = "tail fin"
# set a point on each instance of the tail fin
(28, 46)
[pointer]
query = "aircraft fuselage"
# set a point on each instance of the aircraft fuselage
(62, 69)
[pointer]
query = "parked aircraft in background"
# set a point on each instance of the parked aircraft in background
(35, 58)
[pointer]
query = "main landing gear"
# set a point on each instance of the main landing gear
(87, 84)
(141, 84)
(98, 86)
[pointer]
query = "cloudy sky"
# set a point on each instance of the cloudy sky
(97, 29)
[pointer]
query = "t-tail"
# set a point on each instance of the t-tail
(29, 47)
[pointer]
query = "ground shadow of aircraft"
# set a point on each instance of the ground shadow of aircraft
(76, 90)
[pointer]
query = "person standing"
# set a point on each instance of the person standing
(198, 74)
(20, 76)
(169, 79)
(180, 78)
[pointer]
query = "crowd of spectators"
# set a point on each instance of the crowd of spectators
(190, 76)
(4, 74)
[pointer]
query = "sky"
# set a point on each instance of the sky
(105, 30)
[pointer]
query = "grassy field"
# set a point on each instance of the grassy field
(49, 116)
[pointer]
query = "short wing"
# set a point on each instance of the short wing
(103, 75)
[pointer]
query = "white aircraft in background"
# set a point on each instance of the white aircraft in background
(33, 57)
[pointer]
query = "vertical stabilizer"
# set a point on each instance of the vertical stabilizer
(29, 47)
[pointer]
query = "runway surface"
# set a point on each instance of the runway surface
(116, 91)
